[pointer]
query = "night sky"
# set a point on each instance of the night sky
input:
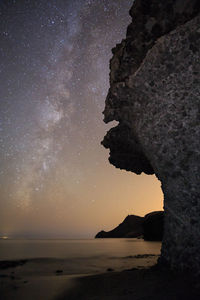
(55, 178)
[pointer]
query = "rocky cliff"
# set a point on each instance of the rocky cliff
(155, 96)
(150, 227)
(130, 227)
(153, 226)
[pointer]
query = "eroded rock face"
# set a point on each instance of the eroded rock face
(155, 95)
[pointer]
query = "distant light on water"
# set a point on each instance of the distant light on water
(4, 237)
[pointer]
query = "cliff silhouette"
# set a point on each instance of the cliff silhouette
(149, 227)
(130, 227)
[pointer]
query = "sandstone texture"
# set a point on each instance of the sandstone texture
(155, 96)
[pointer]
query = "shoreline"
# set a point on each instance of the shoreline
(151, 283)
(50, 279)
(21, 280)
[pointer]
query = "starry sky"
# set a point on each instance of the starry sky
(55, 178)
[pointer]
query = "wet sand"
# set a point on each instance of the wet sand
(46, 279)
(135, 284)
(51, 278)
(33, 279)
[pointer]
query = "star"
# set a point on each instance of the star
(54, 73)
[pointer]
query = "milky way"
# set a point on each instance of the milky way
(54, 66)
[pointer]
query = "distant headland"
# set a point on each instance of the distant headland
(149, 227)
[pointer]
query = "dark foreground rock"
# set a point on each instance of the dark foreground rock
(130, 227)
(155, 96)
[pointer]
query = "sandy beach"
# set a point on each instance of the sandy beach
(49, 269)
(49, 279)
(137, 284)
(33, 279)
(46, 279)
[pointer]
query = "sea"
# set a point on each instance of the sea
(80, 256)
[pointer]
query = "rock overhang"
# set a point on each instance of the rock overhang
(155, 96)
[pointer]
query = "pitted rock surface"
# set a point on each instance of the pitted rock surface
(155, 95)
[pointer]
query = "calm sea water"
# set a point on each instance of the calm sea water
(78, 256)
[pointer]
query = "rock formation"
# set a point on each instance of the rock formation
(153, 226)
(155, 96)
(130, 227)
(150, 227)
